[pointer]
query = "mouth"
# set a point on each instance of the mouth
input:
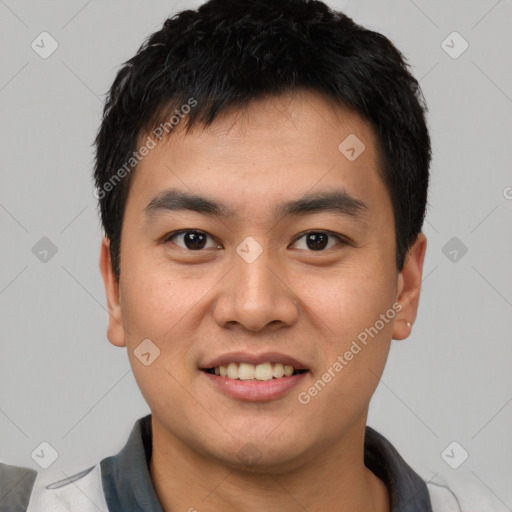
(254, 378)
(260, 372)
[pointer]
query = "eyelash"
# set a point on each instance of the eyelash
(341, 240)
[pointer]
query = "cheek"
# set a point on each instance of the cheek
(166, 308)
(349, 301)
(156, 301)
(355, 311)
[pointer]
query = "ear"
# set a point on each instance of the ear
(409, 286)
(115, 330)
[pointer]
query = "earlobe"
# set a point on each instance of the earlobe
(409, 287)
(115, 329)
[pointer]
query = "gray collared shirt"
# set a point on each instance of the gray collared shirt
(128, 486)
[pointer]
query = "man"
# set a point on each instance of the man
(262, 174)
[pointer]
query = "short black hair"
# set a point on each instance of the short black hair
(228, 53)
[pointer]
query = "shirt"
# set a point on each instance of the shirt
(122, 483)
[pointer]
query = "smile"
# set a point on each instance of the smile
(262, 372)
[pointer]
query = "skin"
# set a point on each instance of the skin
(196, 305)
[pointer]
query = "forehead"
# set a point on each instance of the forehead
(277, 148)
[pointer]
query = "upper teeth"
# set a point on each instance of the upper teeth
(246, 371)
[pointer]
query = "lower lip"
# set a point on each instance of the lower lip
(255, 390)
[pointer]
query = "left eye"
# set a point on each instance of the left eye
(317, 241)
(192, 239)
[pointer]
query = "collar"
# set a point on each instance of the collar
(408, 491)
(126, 478)
(127, 481)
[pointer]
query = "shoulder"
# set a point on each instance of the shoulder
(16, 484)
(88, 490)
(81, 491)
(462, 494)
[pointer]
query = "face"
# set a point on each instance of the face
(285, 255)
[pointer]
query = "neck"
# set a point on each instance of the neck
(336, 479)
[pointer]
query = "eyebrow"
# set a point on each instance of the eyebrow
(337, 201)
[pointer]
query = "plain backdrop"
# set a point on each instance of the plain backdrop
(61, 381)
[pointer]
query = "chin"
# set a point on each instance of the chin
(259, 454)
(251, 459)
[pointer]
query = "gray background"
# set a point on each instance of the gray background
(60, 379)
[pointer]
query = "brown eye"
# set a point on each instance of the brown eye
(192, 240)
(317, 241)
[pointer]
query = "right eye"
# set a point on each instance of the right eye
(192, 239)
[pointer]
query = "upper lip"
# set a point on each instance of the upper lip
(245, 357)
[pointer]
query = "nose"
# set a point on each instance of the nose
(256, 296)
